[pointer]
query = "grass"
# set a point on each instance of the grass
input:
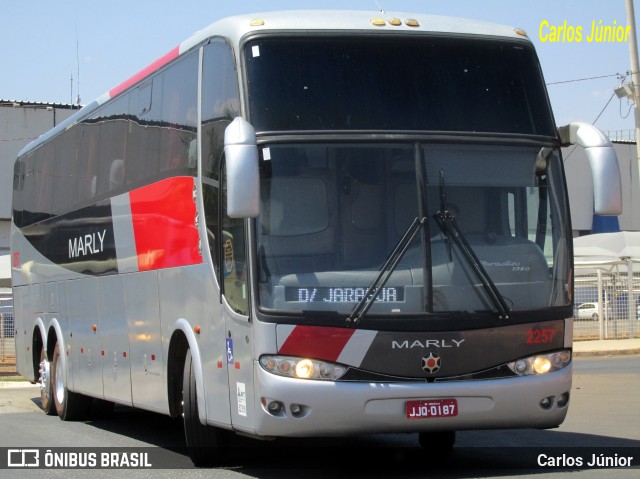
(11, 378)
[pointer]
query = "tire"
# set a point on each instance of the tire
(70, 406)
(46, 388)
(595, 316)
(206, 444)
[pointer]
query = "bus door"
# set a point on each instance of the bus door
(239, 337)
(237, 202)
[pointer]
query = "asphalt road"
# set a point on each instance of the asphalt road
(603, 419)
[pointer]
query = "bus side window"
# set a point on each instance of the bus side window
(211, 209)
(220, 105)
(232, 257)
(179, 115)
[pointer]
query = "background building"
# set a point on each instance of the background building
(580, 186)
(20, 123)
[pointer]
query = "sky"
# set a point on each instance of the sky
(54, 50)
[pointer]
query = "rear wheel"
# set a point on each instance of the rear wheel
(46, 389)
(206, 444)
(69, 405)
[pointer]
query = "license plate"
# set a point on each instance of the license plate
(430, 408)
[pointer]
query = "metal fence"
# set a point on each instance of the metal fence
(607, 304)
(7, 330)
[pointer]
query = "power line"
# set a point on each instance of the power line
(584, 79)
(605, 107)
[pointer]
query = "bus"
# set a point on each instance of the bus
(308, 224)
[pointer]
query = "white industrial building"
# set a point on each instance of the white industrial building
(20, 123)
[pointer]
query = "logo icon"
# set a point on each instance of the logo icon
(431, 363)
(23, 458)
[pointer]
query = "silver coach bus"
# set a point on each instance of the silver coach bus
(308, 224)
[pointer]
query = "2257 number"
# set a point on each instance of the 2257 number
(540, 336)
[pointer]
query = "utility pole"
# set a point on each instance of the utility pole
(635, 82)
(635, 97)
(635, 72)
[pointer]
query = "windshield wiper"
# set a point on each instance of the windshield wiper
(452, 232)
(387, 269)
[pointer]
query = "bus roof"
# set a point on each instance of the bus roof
(236, 27)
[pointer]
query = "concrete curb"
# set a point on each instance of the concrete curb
(606, 347)
(605, 353)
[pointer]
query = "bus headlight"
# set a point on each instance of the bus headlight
(302, 368)
(541, 363)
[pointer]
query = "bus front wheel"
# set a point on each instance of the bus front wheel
(205, 443)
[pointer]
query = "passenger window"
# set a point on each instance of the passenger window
(233, 258)
(220, 104)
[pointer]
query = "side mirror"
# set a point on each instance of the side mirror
(607, 187)
(243, 175)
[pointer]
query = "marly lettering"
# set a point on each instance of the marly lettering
(427, 343)
(88, 244)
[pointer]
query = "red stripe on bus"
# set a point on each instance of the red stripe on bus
(159, 63)
(317, 342)
(164, 227)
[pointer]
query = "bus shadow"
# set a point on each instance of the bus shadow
(495, 452)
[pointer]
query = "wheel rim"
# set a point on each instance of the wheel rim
(44, 377)
(59, 385)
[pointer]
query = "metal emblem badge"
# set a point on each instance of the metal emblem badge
(431, 363)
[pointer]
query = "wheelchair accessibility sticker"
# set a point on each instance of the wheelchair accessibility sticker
(229, 351)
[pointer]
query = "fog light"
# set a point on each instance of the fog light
(546, 403)
(274, 407)
(563, 400)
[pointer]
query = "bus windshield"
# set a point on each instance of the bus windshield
(332, 213)
(425, 83)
